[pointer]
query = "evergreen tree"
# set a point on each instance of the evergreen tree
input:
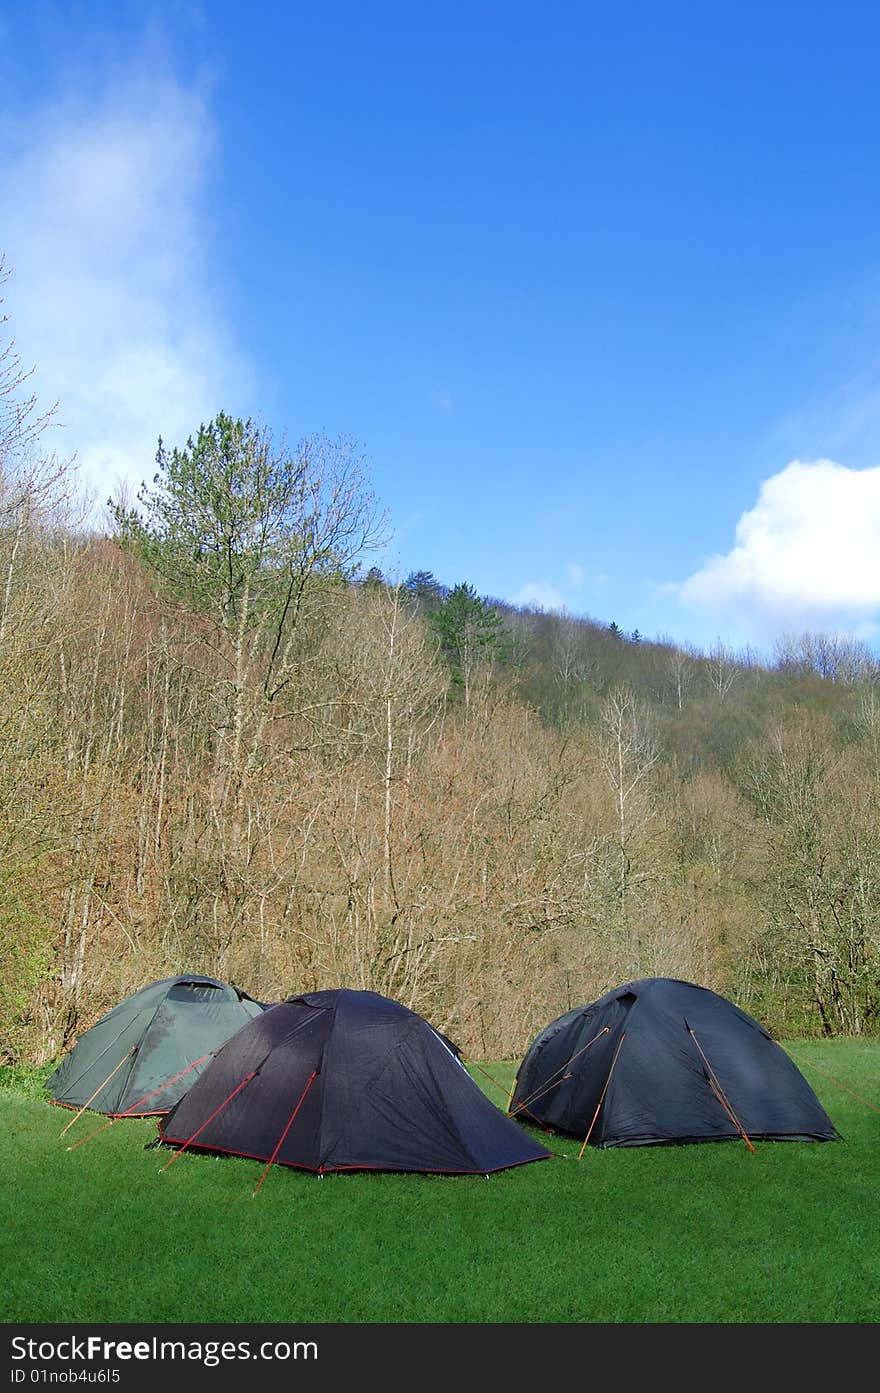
(238, 530)
(470, 633)
(425, 588)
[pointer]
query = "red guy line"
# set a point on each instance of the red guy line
(209, 1119)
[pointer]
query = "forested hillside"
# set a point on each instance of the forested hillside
(229, 744)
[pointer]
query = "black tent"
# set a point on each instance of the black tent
(659, 1061)
(346, 1080)
(143, 1055)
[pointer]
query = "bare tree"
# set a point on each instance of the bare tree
(821, 876)
(21, 423)
(628, 753)
(722, 669)
(682, 669)
(834, 657)
(573, 662)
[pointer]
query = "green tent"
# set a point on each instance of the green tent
(142, 1057)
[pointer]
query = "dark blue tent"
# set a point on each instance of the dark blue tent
(661, 1060)
(143, 1055)
(346, 1080)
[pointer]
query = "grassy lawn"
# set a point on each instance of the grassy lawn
(699, 1233)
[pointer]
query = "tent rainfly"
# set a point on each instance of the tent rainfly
(663, 1061)
(346, 1080)
(140, 1058)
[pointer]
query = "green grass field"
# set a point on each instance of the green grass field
(658, 1234)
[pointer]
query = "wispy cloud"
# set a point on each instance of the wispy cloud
(104, 226)
(441, 400)
(575, 573)
(539, 594)
(805, 555)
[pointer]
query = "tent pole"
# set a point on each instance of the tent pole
(129, 1110)
(290, 1123)
(602, 1099)
(181, 1149)
(66, 1129)
(720, 1094)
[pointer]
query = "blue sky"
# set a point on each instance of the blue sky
(596, 288)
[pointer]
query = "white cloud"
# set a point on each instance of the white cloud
(104, 226)
(575, 574)
(807, 552)
(539, 594)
